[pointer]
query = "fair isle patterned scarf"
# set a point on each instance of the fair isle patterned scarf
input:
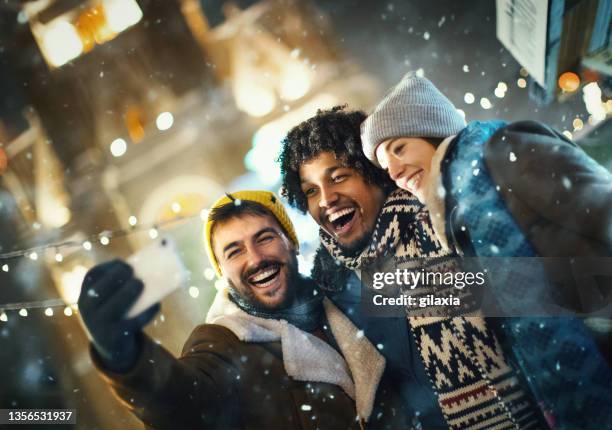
(474, 382)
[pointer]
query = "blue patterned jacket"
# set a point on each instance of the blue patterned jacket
(524, 190)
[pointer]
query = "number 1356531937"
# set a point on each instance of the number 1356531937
(37, 416)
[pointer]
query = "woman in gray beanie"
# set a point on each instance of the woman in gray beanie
(495, 189)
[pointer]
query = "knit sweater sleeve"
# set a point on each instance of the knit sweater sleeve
(539, 169)
(170, 393)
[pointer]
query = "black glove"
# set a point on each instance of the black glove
(109, 290)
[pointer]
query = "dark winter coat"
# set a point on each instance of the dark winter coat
(223, 382)
(501, 191)
(559, 198)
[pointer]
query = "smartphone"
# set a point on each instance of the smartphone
(161, 270)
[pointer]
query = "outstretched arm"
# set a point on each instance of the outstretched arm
(164, 392)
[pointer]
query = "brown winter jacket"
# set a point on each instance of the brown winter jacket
(560, 199)
(222, 382)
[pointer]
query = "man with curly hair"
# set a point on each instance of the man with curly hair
(452, 372)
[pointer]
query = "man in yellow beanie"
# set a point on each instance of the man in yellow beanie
(274, 353)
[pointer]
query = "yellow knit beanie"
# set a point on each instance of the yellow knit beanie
(264, 198)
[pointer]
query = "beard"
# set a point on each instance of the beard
(246, 294)
(355, 247)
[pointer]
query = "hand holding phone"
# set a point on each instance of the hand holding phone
(161, 270)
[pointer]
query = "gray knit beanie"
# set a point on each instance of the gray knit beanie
(414, 108)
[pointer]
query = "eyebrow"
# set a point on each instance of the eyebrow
(392, 141)
(256, 236)
(328, 171)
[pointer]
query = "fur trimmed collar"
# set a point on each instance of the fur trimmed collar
(435, 197)
(308, 358)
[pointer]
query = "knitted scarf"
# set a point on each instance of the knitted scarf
(305, 315)
(474, 382)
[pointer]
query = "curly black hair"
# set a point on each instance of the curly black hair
(336, 130)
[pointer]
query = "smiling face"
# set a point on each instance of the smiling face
(407, 160)
(257, 259)
(340, 200)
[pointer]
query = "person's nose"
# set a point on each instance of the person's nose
(328, 197)
(396, 169)
(254, 256)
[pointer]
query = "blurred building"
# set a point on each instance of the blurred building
(563, 44)
(139, 113)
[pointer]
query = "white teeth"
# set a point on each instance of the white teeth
(414, 181)
(340, 213)
(264, 275)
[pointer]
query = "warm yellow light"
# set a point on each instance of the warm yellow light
(295, 82)
(52, 212)
(70, 283)
(118, 147)
(164, 121)
(578, 124)
(121, 14)
(3, 161)
(253, 99)
(134, 124)
(499, 93)
(485, 103)
(569, 82)
(61, 43)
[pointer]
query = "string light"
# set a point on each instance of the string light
(485, 103)
(104, 238)
(33, 253)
